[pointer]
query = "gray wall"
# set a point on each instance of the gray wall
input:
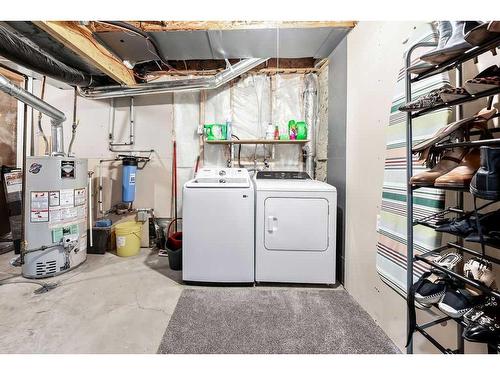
(337, 107)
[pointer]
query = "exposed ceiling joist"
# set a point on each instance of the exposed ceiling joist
(80, 40)
(151, 26)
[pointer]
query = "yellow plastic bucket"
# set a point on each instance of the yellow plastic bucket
(128, 238)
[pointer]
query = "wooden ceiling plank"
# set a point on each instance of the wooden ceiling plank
(80, 40)
(152, 26)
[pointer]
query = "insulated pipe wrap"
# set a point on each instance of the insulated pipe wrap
(22, 51)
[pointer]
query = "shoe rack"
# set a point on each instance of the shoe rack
(458, 245)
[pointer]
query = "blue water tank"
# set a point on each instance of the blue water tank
(128, 179)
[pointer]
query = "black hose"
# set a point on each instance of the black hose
(239, 151)
(145, 35)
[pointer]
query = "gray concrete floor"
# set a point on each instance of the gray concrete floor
(107, 305)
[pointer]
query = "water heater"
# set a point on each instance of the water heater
(55, 215)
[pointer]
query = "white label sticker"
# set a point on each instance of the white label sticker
(55, 215)
(80, 196)
(67, 197)
(13, 182)
(131, 179)
(54, 198)
(39, 200)
(39, 216)
(120, 241)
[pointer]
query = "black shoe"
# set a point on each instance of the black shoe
(460, 226)
(483, 323)
(457, 302)
(490, 227)
(486, 182)
(430, 290)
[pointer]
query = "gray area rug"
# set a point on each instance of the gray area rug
(255, 320)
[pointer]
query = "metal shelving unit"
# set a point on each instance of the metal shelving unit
(456, 64)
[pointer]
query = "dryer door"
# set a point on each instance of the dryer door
(299, 224)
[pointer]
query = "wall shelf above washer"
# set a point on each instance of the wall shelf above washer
(257, 141)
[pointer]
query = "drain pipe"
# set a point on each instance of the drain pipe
(56, 115)
(112, 142)
(310, 113)
(187, 84)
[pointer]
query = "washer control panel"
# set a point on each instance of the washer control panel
(282, 175)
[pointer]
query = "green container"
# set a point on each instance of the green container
(301, 130)
(215, 132)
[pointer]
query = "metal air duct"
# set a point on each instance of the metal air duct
(56, 115)
(187, 84)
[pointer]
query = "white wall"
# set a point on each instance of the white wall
(161, 118)
(375, 52)
(153, 124)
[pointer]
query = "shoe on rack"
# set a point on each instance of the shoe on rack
(461, 176)
(445, 31)
(480, 34)
(454, 93)
(480, 270)
(490, 228)
(478, 121)
(488, 79)
(458, 301)
(449, 161)
(459, 226)
(486, 182)
(455, 45)
(483, 323)
(494, 26)
(429, 100)
(430, 289)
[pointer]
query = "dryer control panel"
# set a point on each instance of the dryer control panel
(282, 175)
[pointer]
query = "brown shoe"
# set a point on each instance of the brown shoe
(450, 160)
(461, 176)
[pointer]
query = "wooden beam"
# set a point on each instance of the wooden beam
(224, 25)
(80, 40)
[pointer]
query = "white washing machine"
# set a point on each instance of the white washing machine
(295, 228)
(218, 227)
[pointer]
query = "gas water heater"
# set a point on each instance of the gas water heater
(55, 215)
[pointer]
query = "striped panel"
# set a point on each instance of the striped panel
(391, 245)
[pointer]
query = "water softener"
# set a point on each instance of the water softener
(128, 179)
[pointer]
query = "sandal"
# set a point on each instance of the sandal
(488, 79)
(480, 270)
